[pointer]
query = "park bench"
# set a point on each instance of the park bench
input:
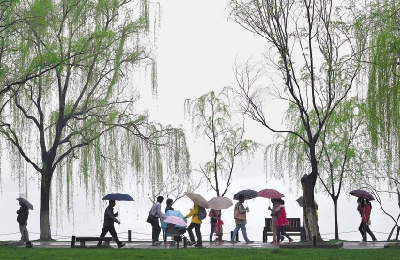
(293, 229)
(83, 240)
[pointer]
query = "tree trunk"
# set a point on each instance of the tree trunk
(45, 230)
(336, 219)
(310, 218)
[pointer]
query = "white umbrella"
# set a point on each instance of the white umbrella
(197, 199)
(219, 203)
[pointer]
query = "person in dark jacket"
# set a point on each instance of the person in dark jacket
(108, 225)
(168, 207)
(23, 222)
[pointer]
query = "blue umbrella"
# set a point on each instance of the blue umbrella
(175, 213)
(22, 200)
(118, 196)
(248, 194)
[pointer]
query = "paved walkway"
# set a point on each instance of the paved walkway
(346, 245)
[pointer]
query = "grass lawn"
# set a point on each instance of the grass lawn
(195, 253)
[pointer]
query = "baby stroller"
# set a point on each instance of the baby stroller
(174, 230)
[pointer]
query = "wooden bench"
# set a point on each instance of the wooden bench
(293, 229)
(82, 240)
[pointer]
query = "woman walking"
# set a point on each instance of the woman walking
(241, 222)
(281, 222)
(366, 221)
(213, 214)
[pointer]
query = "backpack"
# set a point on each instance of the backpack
(202, 214)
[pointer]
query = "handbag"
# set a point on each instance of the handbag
(238, 215)
(151, 219)
(369, 222)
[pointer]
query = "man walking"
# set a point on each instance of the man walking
(108, 225)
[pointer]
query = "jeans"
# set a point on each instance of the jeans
(112, 231)
(244, 233)
(24, 233)
(196, 227)
(367, 230)
(212, 230)
(281, 230)
(156, 230)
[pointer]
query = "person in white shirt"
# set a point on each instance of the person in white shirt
(156, 229)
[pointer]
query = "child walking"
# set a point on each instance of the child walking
(219, 229)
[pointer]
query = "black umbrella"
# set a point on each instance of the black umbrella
(118, 196)
(248, 194)
(362, 194)
(22, 200)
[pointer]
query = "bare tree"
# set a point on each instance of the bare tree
(313, 64)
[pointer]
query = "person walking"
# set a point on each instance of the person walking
(108, 224)
(22, 219)
(156, 212)
(213, 214)
(274, 215)
(240, 222)
(219, 231)
(196, 224)
(366, 221)
(281, 222)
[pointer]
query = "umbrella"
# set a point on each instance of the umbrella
(118, 196)
(219, 203)
(270, 194)
(175, 213)
(362, 194)
(197, 199)
(175, 220)
(300, 200)
(248, 194)
(29, 205)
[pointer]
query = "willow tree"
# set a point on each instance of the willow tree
(78, 121)
(381, 26)
(213, 118)
(12, 19)
(313, 64)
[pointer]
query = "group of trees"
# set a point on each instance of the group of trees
(67, 97)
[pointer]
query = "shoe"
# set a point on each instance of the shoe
(282, 238)
(191, 243)
(249, 242)
(276, 243)
(156, 243)
(121, 245)
(197, 245)
(273, 242)
(362, 243)
(29, 245)
(290, 240)
(232, 242)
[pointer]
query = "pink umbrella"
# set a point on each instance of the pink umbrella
(175, 220)
(270, 194)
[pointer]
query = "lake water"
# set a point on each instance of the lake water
(86, 219)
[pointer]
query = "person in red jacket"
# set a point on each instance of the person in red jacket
(281, 222)
(365, 215)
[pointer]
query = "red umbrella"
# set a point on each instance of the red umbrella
(270, 194)
(362, 194)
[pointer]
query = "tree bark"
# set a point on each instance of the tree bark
(45, 230)
(310, 218)
(336, 219)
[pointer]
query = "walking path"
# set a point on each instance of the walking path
(346, 245)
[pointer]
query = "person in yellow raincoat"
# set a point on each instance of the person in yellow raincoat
(196, 224)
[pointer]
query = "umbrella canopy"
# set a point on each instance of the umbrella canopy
(300, 200)
(118, 196)
(22, 200)
(248, 194)
(175, 220)
(362, 194)
(270, 194)
(197, 199)
(219, 203)
(175, 213)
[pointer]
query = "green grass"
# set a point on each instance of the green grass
(195, 253)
